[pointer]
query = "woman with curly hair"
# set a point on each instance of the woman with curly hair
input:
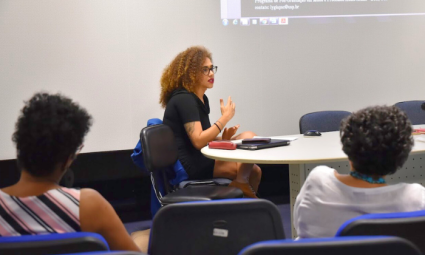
(377, 141)
(183, 86)
(49, 134)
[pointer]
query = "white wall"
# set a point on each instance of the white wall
(108, 56)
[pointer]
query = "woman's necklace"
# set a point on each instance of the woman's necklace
(367, 178)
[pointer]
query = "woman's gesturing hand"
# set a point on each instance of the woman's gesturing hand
(227, 110)
(229, 132)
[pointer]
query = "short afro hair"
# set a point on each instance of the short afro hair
(377, 140)
(49, 131)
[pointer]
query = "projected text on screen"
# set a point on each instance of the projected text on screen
(277, 12)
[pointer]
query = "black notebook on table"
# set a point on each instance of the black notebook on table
(259, 146)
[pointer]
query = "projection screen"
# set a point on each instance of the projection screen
(300, 56)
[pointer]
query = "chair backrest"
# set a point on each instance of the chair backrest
(408, 225)
(159, 147)
(413, 110)
(334, 246)
(324, 121)
(160, 152)
(53, 243)
(214, 227)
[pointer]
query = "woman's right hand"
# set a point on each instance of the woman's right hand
(227, 110)
(200, 137)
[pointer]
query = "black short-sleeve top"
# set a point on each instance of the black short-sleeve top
(184, 107)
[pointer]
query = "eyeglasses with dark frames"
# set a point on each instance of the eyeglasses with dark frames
(207, 69)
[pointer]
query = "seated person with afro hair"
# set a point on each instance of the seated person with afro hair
(49, 134)
(377, 141)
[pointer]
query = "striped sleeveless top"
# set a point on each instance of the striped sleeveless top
(56, 211)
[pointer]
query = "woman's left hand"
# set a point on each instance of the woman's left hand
(229, 132)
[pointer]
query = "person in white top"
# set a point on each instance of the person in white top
(377, 141)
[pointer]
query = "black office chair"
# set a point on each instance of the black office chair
(159, 154)
(214, 227)
(413, 111)
(408, 225)
(52, 244)
(366, 245)
(324, 121)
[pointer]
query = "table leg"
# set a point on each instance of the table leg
(297, 177)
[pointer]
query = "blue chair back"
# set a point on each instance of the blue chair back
(324, 121)
(413, 110)
(408, 225)
(214, 227)
(53, 244)
(334, 246)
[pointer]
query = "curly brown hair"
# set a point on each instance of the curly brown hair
(182, 72)
(377, 140)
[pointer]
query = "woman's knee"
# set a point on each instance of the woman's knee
(224, 169)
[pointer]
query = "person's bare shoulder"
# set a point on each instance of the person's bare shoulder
(97, 215)
(90, 198)
(91, 203)
(88, 194)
